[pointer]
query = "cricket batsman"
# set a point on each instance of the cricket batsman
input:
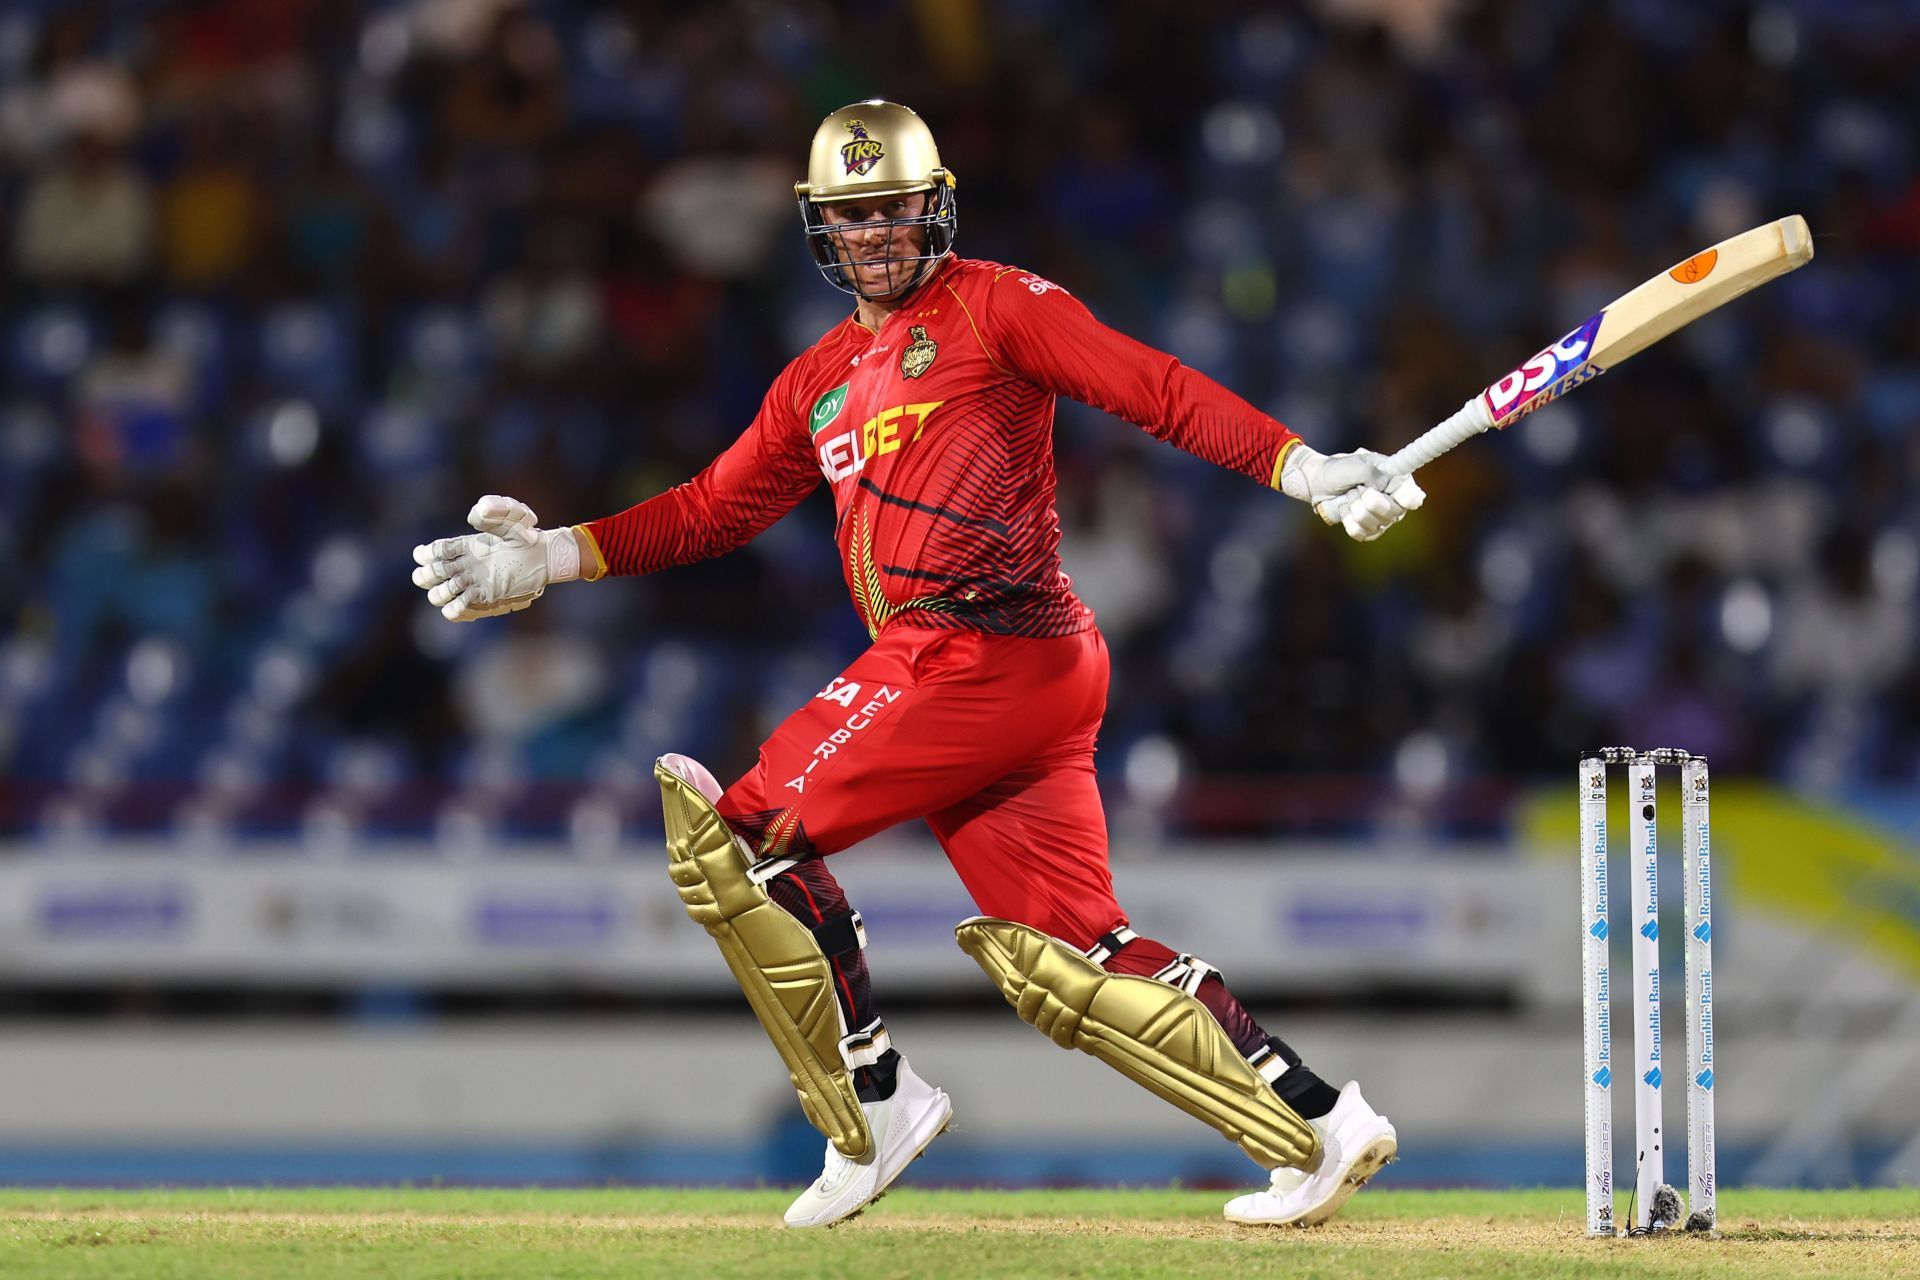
(929, 413)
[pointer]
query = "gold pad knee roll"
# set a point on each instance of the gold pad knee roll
(787, 978)
(1154, 1034)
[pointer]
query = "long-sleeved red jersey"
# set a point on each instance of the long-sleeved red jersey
(936, 434)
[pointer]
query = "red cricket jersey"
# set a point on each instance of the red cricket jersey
(936, 435)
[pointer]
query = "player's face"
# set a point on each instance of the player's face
(866, 241)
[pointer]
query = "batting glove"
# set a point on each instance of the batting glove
(1351, 490)
(503, 568)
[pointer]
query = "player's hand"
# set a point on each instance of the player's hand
(503, 568)
(1352, 490)
(508, 517)
(1370, 509)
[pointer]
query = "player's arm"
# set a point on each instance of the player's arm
(1036, 330)
(759, 478)
(509, 561)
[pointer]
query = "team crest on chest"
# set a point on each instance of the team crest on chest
(918, 357)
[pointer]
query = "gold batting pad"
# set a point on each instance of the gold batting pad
(1154, 1034)
(786, 977)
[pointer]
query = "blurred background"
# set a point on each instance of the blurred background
(287, 285)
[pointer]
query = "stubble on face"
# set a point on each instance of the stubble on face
(867, 244)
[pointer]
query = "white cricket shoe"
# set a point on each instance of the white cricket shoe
(1356, 1142)
(903, 1126)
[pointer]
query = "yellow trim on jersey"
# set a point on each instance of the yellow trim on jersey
(968, 312)
(1280, 462)
(599, 561)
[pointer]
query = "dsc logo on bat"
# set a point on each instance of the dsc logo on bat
(1555, 369)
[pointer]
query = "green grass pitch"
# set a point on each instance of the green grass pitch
(1111, 1235)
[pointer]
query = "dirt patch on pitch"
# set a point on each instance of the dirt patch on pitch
(633, 1222)
(1854, 1247)
(1884, 1246)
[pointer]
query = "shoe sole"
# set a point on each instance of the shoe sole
(1373, 1157)
(920, 1146)
(881, 1194)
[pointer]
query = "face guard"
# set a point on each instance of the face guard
(873, 151)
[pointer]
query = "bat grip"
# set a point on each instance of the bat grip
(1471, 420)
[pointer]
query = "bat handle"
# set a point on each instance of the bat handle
(1471, 420)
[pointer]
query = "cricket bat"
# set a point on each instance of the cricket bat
(1620, 330)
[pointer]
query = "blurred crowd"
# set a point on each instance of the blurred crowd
(289, 284)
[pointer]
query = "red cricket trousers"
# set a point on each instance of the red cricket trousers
(989, 738)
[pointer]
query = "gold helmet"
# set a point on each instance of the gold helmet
(867, 151)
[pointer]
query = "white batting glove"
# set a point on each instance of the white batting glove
(509, 518)
(1350, 489)
(506, 517)
(501, 569)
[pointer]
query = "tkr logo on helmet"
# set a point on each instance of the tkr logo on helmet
(863, 152)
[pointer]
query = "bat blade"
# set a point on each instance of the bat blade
(1649, 312)
(1618, 331)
